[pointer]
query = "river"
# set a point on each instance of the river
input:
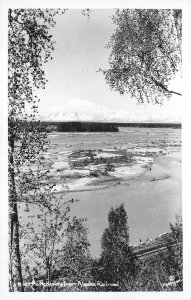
(151, 199)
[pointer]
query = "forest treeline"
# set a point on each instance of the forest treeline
(102, 126)
(151, 125)
(94, 126)
(72, 126)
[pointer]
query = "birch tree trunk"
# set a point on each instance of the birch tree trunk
(14, 252)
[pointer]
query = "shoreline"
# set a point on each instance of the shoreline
(151, 198)
(151, 204)
(157, 172)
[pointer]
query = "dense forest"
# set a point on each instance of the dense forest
(72, 126)
(100, 126)
(151, 125)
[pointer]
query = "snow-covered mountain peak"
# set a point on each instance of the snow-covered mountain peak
(77, 110)
(83, 110)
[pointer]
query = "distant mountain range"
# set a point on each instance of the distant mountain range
(82, 110)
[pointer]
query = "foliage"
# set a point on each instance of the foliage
(173, 259)
(76, 261)
(145, 53)
(96, 270)
(162, 271)
(117, 260)
(42, 226)
(150, 275)
(29, 47)
(71, 287)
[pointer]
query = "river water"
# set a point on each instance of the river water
(151, 199)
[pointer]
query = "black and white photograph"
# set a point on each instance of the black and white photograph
(95, 109)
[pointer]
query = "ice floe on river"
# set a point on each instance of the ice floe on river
(97, 160)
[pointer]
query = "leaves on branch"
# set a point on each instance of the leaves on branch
(145, 53)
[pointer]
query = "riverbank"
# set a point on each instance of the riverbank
(137, 167)
(151, 201)
(144, 168)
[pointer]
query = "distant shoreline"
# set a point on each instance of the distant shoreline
(151, 125)
(80, 126)
(91, 126)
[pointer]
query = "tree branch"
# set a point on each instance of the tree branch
(14, 19)
(164, 87)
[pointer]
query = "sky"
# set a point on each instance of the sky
(80, 52)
